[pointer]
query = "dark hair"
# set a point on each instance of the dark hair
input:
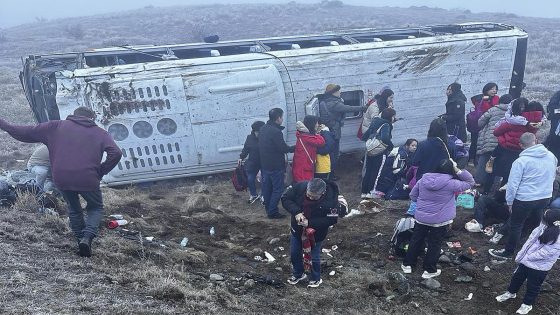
(84, 112)
(275, 113)
(388, 113)
(455, 87)
(310, 121)
(409, 141)
(551, 232)
(516, 106)
(438, 128)
(506, 99)
(256, 126)
(488, 87)
(381, 99)
(445, 167)
(534, 106)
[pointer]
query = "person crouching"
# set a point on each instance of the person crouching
(314, 207)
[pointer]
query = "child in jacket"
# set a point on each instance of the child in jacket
(535, 259)
(324, 153)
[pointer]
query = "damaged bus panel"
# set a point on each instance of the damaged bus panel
(185, 110)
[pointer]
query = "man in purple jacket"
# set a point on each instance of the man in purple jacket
(76, 146)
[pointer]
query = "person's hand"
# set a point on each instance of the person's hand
(304, 222)
(239, 162)
(509, 208)
(536, 125)
(299, 217)
(486, 97)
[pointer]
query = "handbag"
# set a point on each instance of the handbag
(465, 200)
(374, 146)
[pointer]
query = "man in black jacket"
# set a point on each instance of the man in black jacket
(272, 149)
(314, 207)
(553, 140)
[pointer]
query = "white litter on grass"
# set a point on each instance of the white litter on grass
(331, 256)
(269, 257)
(283, 256)
(338, 267)
(468, 298)
(334, 247)
(280, 248)
(149, 238)
(486, 268)
(353, 212)
(326, 250)
(332, 273)
(258, 258)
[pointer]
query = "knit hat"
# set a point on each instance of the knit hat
(332, 88)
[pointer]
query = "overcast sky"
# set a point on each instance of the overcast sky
(14, 12)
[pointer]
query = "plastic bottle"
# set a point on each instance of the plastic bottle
(116, 223)
(212, 231)
(184, 242)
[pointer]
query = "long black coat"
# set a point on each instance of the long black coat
(251, 152)
(272, 147)
(455, 115)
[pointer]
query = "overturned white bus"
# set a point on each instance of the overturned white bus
(184, 110)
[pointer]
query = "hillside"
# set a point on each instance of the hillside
(129, 275)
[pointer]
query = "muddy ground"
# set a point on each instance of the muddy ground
(40, 272)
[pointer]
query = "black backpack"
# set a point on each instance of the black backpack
(401, 236)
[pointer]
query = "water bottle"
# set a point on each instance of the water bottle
(212, 231)
(185, 242)
(113, 224)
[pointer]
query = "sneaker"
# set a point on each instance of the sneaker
(367, 196)
(506, 296)
(428, 275)
(500, 254)
(277, 216)
(406, 269)
(317, 283)
(85, 247)
(496, 238)
(293, 280)
(524, 309)
(489, 166)
(252, 199)
(377, 194)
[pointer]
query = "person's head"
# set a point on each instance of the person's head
(316, 189)
(453, 88)
(490, 89)
(527, 140)
(551, 218)
(83, 111)
(534, 106)
(333, 89)
(385, 98)
(438, 129)
(389, 115)
(446, 166)
(506, 99)
(518, 106)
(256, 127)
(276, 115)
(411, 145)
(312, 123)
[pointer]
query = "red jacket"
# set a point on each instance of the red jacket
(485, 105)
(508, 135)
(303, 166)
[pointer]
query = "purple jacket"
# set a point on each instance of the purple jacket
(76, 146)
(538, 256)
(435, 196)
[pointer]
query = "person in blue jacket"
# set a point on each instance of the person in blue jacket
(434, 149)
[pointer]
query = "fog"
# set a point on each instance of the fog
(14, 12)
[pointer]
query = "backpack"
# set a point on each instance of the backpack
(460, 149)
(239, 178)
(401, 236)
(7, 194)
(474, 115)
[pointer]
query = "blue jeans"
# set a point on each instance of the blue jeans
(41, 173)
(251, 181)
(296, 254)
(272, 189)
(555, 204)
(94, 208)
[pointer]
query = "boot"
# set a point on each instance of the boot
(85, 246)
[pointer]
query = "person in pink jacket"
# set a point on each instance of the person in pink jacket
(434, 195)
(535, 259)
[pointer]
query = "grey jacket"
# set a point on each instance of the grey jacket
(332, 111)
(487, 142)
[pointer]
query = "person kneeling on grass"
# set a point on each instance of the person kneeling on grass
(434, 195)
(535, 259)
(314, 207)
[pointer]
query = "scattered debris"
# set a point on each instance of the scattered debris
(353, 212)
(184, 242)
(216, 277)
(464, 279)
(212, 231)
(325, 250)
(274, 240)
(257, 258)
(280, 248)
(453, 244)
(113, 224)
(369, 205)
(497, 262)
(468, 298)
(486, 268)
(334, 247)
(331, 256)
(116, 216)
(269, 257)
(149, 238)
(332, 273)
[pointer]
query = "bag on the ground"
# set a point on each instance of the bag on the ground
(239, 178)
(465, 200)
(401, 236)
(374, 146)
(399, 191)
(7, 194)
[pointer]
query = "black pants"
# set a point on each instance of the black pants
(521, 212)
(335, 155)
(431, 235)
(488, 206)
(535, 278)
(373, 166)
(472, 148)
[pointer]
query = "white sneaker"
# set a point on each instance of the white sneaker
(496, 238)
(406, 269)
(315, 284)
(293, 280)
(506, 296)
(428, 275)
(524, 309)
(363, 196)
(368, 196)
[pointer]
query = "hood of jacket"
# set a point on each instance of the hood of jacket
(537, 151)
(82, 121)
(301, 127)
(436, 181)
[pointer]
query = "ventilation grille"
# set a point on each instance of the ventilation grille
(151, 156)
(127, 101)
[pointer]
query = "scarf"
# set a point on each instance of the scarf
(308, 233)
